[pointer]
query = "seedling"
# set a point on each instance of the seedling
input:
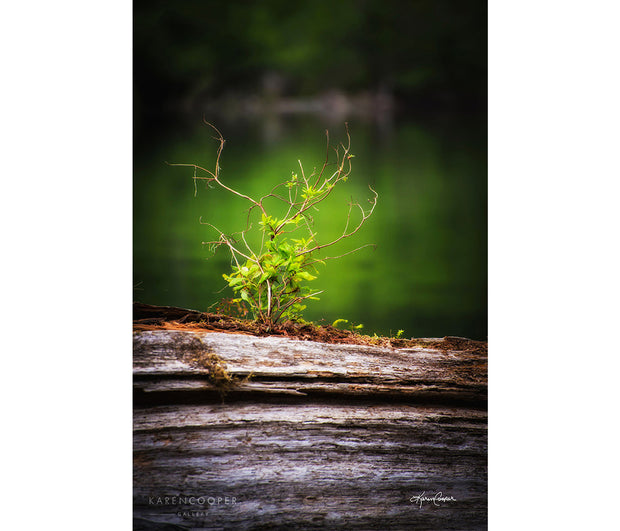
(352, 327)
(271, 279)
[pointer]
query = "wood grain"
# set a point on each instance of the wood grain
(321, 436)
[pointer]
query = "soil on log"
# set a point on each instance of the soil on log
(249, 430)
(148, 317)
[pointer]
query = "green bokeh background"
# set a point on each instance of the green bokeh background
(426, 157)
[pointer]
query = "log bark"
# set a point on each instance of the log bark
(233, 431)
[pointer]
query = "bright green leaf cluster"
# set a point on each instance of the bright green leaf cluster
(272, 283)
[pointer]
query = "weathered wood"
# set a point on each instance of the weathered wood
(321, 436)
(170, 361)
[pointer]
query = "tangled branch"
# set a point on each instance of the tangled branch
(270, 280)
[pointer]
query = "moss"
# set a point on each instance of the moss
(218, 374)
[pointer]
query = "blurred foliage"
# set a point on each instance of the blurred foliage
(433, 49)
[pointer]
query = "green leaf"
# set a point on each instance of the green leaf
(305, 275)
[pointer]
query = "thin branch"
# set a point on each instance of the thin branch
(318, 179)
(295, 301)
(345, 234)
(224, 239)
(215, 174)
(319, 260)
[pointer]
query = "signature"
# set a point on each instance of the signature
(435, 500)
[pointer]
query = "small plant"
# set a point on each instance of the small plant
(271, 278)
(351, 326)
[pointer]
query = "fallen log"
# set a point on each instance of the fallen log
(234, 431)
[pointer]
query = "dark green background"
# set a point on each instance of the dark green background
(425, 155)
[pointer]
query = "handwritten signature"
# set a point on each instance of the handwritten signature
(436, 500)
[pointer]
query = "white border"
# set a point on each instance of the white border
(66, 254)
(553, 247)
